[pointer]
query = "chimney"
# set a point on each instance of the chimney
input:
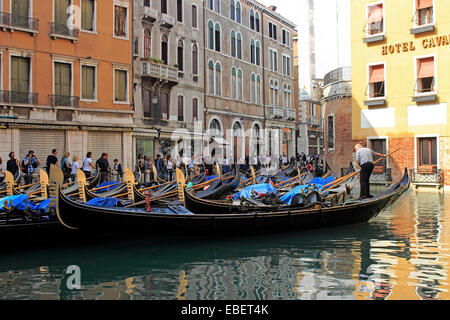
(273, 8)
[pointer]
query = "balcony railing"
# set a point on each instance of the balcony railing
(149, 14)
(313, 121)
(276, 112)
(427, 176)
(64, 101)
(159, 71)
(11, 97)
(289, 114)
(62, 30)
(167, 21)
(9, 20)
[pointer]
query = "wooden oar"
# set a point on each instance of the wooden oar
(339, 181)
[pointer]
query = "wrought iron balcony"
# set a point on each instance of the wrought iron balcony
(276, 112)
(149, 14)
(11, 97)
(159, 71)
(289, 114)
(313, 121)
(8, 20)
(427, 176)
(64, 101)
(63, 31)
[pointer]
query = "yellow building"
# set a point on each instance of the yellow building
(400, 84)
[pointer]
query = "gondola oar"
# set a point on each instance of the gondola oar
(341, 180)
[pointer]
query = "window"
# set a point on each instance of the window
(287, 95)
(180, 10)
(252, 19)
(180, 108)
(60, 13)
(238, 12)
(330, 132)
(252, 51)
(62, 79)
(217, 37)
(120, 21)
(272, 31)
(424, 12)
(164, 50)
(146, 3)
(233, 44)
(20, 78)
(425, 75)
(164, 6)
(239, 45)
(232, 10)
(427, 152)
(258, 53)
(195, 59)
(252, 88)
(376, 81)
(286, 38)
(375, 19)
(88, 15)
(286, 65)
(258, 89)
(239, 85)
(211, 4)
(257, 24)
(217, 6)
(210, 35)
(195, 109)
(194, 17)
(121, 84)
(211, 77)
(88, 90)
(379, 146)
(147, 102)
(147, 43)
(233, 83)
(180, 55)
(218, 79)
(273, 60)
(165, 106)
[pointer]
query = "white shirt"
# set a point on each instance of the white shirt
(169, 165)
(2, 170)
(75, 167)
(86, 164)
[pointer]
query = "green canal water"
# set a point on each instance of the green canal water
(401, 254)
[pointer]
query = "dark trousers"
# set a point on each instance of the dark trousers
(28, 178)
(366, 171)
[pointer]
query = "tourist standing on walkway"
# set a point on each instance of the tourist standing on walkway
(29, 163)
(159, 164)
(52, 159)
(74, 171)
(2, 170)
(170, 168)
(103, 166)
(364, 158)
(66, 167)
(118, 168)
(88, 165)
(12, 165)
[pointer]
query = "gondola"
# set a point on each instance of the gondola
(175, 219)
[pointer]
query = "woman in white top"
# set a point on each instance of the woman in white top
(2, 170)
(87, 164)
(74, 172)
(170, 167)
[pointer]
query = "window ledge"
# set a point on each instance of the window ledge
(374, 38)
(425, 97)
(375, 102)
(422, 29)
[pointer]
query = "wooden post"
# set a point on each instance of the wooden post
(81, 185)
(43, 179)
(129, 178)
(181, 181)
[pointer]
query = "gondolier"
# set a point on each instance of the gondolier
(364, 158)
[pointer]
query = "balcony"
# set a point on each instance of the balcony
(14, 22)
(276, 112)
(159, 71)
(166, 21)
(427, 177)
(149, 14)
(15, 97)
(64, 101)
(289, 114)
(313, 121)
(63, 31)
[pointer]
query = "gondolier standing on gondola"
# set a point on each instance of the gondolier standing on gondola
(364, 159)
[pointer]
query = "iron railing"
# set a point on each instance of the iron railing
(64, 101)
(64, 30)
(14, 21)
(18, 97)
(428, 176)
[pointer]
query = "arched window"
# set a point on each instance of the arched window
(180, 108)
(258, 53)
(211, 77)
(218, 79)
(217, 6)
(164, 50)
(215, 128)
(252, 19)
(252, 51)
(253, 88)
(239, 85)
(217, 37)
(195, 59)
(233, 83)
(257, 24)
(180, 57)
(195, 109)
(258, 89)
(210, 35)
(233, 44)
(271, 92)
(232, 10)
(238, 137)
(276, 101)
(257, 138)
(238, 12)
(147, 43)
(239, 46)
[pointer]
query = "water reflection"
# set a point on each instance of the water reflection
(402, 254)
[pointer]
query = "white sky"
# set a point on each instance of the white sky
(332, 37)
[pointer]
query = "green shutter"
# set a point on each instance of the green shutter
(121, 85)
(87, 15)
(61, 14)
(88, 79)
(62, 79)
(20, 74)
(20, 8)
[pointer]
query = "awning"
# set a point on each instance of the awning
(376, 74)
(426, 68)
(375, 14)
(424, 4)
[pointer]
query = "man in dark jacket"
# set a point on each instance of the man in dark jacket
(52, 159)
(159, 164)
(12, 165)
(103, 166)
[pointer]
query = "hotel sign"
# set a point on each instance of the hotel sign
(427, 43)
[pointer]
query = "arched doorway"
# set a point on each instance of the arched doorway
(237, 135)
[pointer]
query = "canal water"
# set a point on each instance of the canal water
(401, 254)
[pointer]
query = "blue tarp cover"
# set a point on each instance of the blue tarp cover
(210, 178)
(105, 184)
(103, 202)
(22, 201)
(318, 182)
(248, 192)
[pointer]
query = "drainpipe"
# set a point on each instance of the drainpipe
(205, 108)
(263, 72)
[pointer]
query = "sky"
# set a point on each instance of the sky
(332, 45)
